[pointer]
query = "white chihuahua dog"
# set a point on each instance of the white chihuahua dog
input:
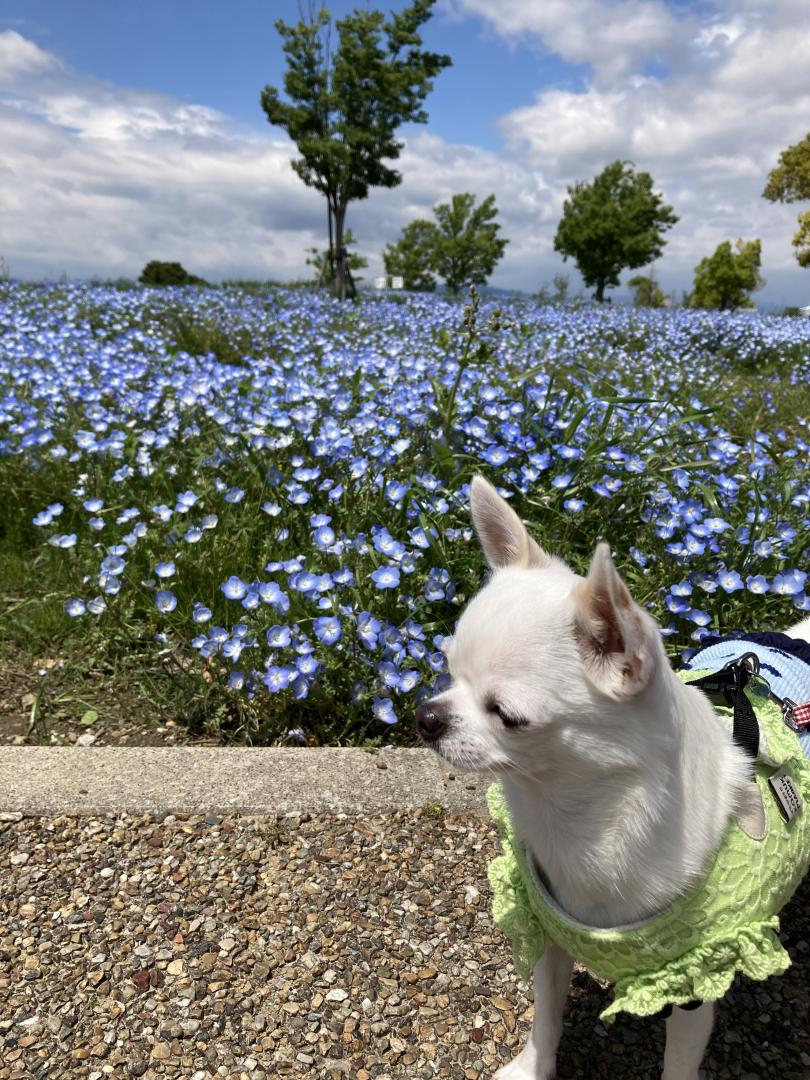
(619, 779)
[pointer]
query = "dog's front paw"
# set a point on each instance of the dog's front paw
(526, 1066)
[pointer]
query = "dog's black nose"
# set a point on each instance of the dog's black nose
(431, 719)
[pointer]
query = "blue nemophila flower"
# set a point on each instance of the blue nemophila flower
(272, 509)
(96, 523)
(677, 605)
(730, 581)
(408, 679)
(75, 607)
(201, 613)
(681, 588)
(386, 544)
(165, 569)
(232, 649)
(209, 521)
(97, 605)
(193, 535)
(573, 506)
(66, 541)
(307, 664)
(278, 678)
(607, 486)
(234, 495)
(304, 581)
(113, 564)
(234, 588)
(165, 601)
(185, 501)
(383, 709)
(791, 583)
(162, 512)
(706, 582)
(639, 557)
(236, 680)
(385, 577)
(757, 584)
(327, 629)
(562, 481)
(368, 629)
(278, 637)
(438, 585)
(701, 618)
(93, 505)
(317, 520)
(716, 524)
(389, 674)
(343, 576)
(324, 537)
(396, 490)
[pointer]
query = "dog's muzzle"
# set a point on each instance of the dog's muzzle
(431, 719)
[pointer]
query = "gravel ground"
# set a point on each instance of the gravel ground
(284, 945)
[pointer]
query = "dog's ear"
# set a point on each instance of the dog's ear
(612, 631)
(502, 534)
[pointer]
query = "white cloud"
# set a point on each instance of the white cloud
(611, 36)
(19, 56)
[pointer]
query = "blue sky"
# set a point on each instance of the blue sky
(223, 54)
(134, 131)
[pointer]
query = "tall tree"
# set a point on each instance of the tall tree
(343, 108)
(790, 182)
(725, 279)
(412, 257)
(467, 245)
(614, 223)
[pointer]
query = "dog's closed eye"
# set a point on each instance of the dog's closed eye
(508, 719)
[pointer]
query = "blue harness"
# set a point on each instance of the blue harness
(784, 662)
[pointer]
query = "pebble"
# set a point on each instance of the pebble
(277, 946)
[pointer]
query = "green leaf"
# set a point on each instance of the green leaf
(89, 717)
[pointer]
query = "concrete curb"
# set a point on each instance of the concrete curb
(96, 780)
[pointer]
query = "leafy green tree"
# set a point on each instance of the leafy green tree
(462, 246)
(790, 182)
(614, 223)
(467, 245)
(648, 293)
(343, 108)
(412, 256)
(725, 279)
(167, 273)
(320, 259)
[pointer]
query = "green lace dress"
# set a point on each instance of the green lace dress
(692, 951)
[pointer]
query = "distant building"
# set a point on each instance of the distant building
(805, 310)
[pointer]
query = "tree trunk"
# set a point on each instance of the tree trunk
(340, 270)
(331, 256)
(600, 291)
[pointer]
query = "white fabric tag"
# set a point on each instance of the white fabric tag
(787, 796)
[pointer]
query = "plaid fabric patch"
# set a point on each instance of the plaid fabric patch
(800, 714)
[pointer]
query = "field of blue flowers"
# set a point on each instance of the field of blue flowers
(259, 499)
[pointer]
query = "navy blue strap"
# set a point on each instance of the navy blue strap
(727, 687)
